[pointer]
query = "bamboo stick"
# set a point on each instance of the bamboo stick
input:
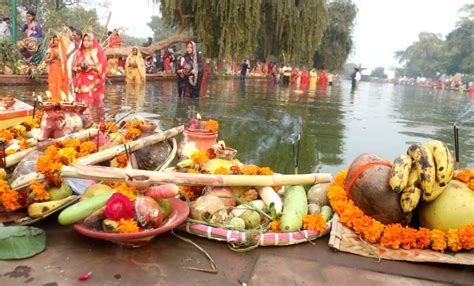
(110, 153)
(14, 159)
(108, 173)
(107, 154)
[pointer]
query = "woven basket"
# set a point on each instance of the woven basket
(346, 240)
(253, 238)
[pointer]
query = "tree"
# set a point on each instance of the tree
(159, 28)
(458, 47)
(337, 41)
(293, 28)
(379, 72)
(423, 57)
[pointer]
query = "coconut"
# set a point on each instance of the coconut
(209, 208)
(371, 191)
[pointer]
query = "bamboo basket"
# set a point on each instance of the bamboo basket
(346, 240)
(255, 238)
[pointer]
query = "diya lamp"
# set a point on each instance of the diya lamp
(224, 152)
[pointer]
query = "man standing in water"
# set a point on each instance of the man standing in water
(244, 70)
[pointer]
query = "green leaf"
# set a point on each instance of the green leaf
(18, 242)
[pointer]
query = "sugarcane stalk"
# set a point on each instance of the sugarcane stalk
(101, 173)
(106, 154)
(14, 159)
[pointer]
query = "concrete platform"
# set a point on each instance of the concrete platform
(68, 255)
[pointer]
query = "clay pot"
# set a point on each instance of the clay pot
(203, 139)
(140, 183)
(371, 191)
(227, 153)
(148, 127)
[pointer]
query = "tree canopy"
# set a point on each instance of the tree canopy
(432, 54)
(337, 42)
(293, 29)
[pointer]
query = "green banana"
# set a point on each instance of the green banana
(437, 190)
(425, 165)
(412, 193)
(400, 172)
(443, 159)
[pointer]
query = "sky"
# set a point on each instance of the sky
(382, 26)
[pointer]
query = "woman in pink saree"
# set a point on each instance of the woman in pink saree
(89, 71)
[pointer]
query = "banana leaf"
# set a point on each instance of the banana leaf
(18, 242)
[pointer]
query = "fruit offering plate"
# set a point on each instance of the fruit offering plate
(253, 238)
(179, 213)
(21, 217)
(346, 240)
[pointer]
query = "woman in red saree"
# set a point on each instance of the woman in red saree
(57, 72)
(89, 70)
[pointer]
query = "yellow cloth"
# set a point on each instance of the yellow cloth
(135, 68)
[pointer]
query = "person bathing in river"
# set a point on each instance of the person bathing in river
(56, 58)
(194, 59)
(244, 69)
(182, 70)
(135, 67)
(304, 77)
(89, 71)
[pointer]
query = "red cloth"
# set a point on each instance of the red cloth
(304, 77)
(115, 41)
(322, 78)
(90, 85)
(167, 64)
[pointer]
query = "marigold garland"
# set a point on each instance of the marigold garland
(39, 190)
(200, 157)
(6, 135)
(466, 176)
(24, 145)
(127, 226)
(221, 171)
(122, 160)
(394, 235)
(314, 222)
(87, 148)
(124, 189)
(8, 197)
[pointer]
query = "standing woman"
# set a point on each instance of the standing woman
(135, 67)
(89, 70)
(56, 58)
(193, 59)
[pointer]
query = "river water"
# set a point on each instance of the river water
(336, 123)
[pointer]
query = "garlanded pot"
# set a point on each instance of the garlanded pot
(52, 123)
(203, 139)
(73, 122)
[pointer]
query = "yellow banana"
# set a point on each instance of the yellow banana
(443, 159)
(425, 165)
(38, 209)
(400, 172)
(437, 190)
(412, 193)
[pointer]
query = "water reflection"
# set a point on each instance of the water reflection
(336, 123)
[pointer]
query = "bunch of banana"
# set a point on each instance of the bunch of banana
(425, 173)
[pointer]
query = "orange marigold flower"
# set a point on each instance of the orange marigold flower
(122, 160)
(408, 238)
(466, 236)
(265, 171)
(132, 133)
(51, 151)
(276, 188)
(221, 171)
(276, 225)
(453, 240)
(9, 199)
(39, 190)
(124, 189)
(362, 224)
(464, 176)
(211, 125)
(391, 237)
(74, 143)
(471, 184)
(6, 135)
(438, 240)
(86, 148)
(423, 238)
(340, 178)
(67, 155)
(373, 233)
(235, 170)
(112, 127)
(24, 145)
(314, 222)
(250, 170)
(200, 157)
(127, 226)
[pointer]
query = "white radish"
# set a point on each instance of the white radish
(240, 209)
(269, 196)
